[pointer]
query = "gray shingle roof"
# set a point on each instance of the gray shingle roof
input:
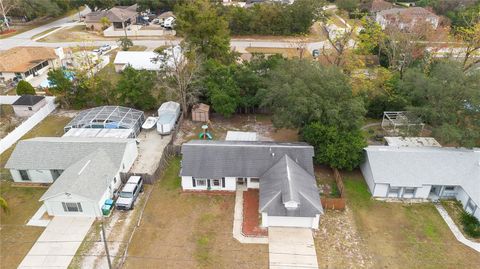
(216, 159)
(417, 166)
(28, 100)
(286, 182)
(61, 152)
(89, 177)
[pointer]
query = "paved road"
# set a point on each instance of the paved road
(25, 38)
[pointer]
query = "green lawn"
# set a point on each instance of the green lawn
(189, 231)
(400, 235)
(16, 239)
(45, 32)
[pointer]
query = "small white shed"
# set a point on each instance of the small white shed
(26, 105)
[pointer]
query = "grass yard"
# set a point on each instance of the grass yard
(16, 239)
(285, 52)
(74, 34)
(455, 209)
(189, 231)
(45, 32)
(401, 235)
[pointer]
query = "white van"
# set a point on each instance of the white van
(169, 22)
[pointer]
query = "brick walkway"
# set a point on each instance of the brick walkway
(251, 217)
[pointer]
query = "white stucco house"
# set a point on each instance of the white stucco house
(83, 172)
(26, 105)
(424, 172)
(407, 18)
(283, 172)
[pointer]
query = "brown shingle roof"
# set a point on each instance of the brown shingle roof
(21, 59)
(379, 5)
(115, 14)
(201, 107)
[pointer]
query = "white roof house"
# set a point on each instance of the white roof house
(429, 172)
(84, 172)
(146, 60)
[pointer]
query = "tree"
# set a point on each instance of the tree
(204, 30)
(125, 43)
(23, 87)
(447, 99)
(62, 88)
(179, 78)
(470, 37)
(334, 147)
(6, 6)
(134, 89)
(339, 41)
(105, 23)
(348, 5)
(369, 37)
(222, 89)
(300, 92)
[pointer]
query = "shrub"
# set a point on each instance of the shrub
(24, 87)
(471, 225)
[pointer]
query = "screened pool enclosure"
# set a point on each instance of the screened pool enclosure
(109, 117)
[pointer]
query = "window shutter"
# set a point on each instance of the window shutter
(223, 182)
(208, 183)
(194, 184)
(64, 207)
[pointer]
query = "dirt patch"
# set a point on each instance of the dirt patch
(338, 243)
(218, 127)
(189, 231)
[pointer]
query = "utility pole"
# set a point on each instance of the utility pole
(106, 246)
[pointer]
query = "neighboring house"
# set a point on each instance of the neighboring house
(148, 60)
(84, 171)
(376, 6)
(413, 171)
(26, 105)
(23, 63)
(138, 60)
(407, 18)
(120, 17)
(282, 171)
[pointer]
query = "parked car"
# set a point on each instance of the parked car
(129, 193)
(105, 48)
(169, 22)
(315, 53)
(98, 51)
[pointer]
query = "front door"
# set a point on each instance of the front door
(242, 181)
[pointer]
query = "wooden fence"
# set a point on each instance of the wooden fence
(335, 203)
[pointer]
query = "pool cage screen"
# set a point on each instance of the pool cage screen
(108, 117)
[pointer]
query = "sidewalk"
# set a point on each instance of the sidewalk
(456, 232)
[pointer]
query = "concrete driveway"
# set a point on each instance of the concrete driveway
(291, 248)
(57, 245)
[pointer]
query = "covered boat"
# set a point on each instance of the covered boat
(168, 114)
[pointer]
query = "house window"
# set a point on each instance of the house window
(24, 175)
(409, 192)
(216, 182)
(449, 188)
(72, 207)
(254, 180)
(30, 108)
(393, 191)
(470, 207)
(201, 182)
